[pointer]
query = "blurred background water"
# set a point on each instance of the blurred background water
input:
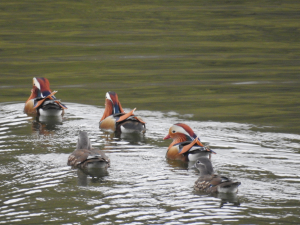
(228, 69)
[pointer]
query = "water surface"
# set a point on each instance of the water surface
(230, 61)
(228, 69)
(141, 186)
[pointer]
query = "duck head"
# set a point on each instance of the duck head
(180, 132)
(112, 105)
(40, 88)
(204, 166)
(83, 141)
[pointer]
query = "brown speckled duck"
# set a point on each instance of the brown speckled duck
(115, 119)
(212, 183)
(42, 100)
(87, 157)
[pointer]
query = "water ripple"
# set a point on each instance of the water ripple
(141, 185)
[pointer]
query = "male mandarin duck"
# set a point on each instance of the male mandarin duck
(186, 146)
(85, 156)
(115, 119)
(211, 183)
(42, 101)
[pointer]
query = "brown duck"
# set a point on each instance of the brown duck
(211, 183)
(85, 156)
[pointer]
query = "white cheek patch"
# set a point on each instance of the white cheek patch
(108, 96)
(36, 83)
(179, 129)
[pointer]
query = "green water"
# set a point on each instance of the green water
(229, 61)
(235, 61)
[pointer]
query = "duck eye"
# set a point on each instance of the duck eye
(173, 131)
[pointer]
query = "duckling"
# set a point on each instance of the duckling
(115, 119)
(42, 101)
(87, 157)
(212, 183)
(186, 146)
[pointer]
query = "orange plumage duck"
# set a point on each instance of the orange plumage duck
(186, 146)
(115, 119)
(42, 101)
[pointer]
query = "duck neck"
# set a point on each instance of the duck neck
(180, 138)
(108, 109)
(83, 141)
(204, 172)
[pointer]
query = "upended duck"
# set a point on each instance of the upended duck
(186, 146)
(115, 119)
(212, 183)
(42, 100)
(85, 156)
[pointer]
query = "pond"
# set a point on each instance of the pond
(141, 186)
(228, 69)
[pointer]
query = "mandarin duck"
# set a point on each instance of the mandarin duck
(115, 119)
(42, 101)
(212, 183)
(186, 146)
(85, 157)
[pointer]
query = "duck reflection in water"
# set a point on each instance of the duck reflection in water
(46, 125)
(182, 165)
(97, 175)
(134, 138)
(226, 199)
(90, 161)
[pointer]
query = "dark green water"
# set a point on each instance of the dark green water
(221, 61)
(231, 70)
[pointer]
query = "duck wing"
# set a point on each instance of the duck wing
(223, 184)
(83, 156)
(191, 147)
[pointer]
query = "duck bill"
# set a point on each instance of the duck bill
(167, 137)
